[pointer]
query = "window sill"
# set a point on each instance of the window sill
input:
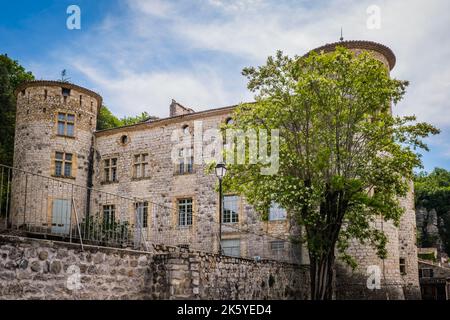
(64, 136)
(185, 227)
(277, 221)
(183, 174)
(62, 177)
(140, 179)
(108, 182)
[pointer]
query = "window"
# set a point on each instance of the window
(186, 129)
(66, 124)
(185, 212)
(142, 214)
(109, 212)
(426, 273)
(63, 164)
(124, 139)
(276, 212)
(230, 209)
(402, 263)
(65, 92)
(140, 165)
(185, 161)
(229, 121)
(110, 170)
(231, 247)
(277, 245)
(45, 94)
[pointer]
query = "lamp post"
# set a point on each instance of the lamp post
(220, 173)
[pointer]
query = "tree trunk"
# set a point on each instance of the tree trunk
(322, 276)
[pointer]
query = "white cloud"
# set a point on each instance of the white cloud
(158, 8)
(159, 50)
(153, 91)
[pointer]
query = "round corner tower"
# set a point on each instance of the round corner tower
(55, 124)
(399, 271)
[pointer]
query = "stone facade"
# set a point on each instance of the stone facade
(162, 186)
(41, 269)
(37, 140)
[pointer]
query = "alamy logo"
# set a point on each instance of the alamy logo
(73, 22)
(232, 146)
(374, 279)
(374, 19)
(74, 279)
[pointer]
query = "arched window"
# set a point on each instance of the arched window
(186, 129)
(124, 139)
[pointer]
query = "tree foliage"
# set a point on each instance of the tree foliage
(107, 120)
(344, 159)
(12, 74)
(126, 121)
(432, 191)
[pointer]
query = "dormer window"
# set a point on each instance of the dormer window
(65, 92)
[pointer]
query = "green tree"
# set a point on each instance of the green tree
(126, 121)
(106, 120)
(12, 74)
(344, 159)
(432, 191)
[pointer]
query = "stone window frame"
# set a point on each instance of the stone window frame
(185, 162)
(140, 164)
(124, 139)
(237, 220)
(63, 159)
(186, 129)
(402, 265)
(191, 220)
(66, 123)
(110, 171)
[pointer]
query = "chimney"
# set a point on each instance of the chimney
(177, 109)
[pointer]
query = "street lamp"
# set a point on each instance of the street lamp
(220, 173)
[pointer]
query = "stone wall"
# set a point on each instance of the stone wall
(36, 143)
(42, 269)
(162, 186)
(396, 283)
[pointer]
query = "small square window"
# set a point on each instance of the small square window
(65, 92)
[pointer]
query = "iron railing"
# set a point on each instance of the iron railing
(41, 206)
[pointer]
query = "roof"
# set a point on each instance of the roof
(183, 117)
(68, 85)
(360, 44)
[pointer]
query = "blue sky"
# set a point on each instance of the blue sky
(140, 54)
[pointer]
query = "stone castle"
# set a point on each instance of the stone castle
(56, 137)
